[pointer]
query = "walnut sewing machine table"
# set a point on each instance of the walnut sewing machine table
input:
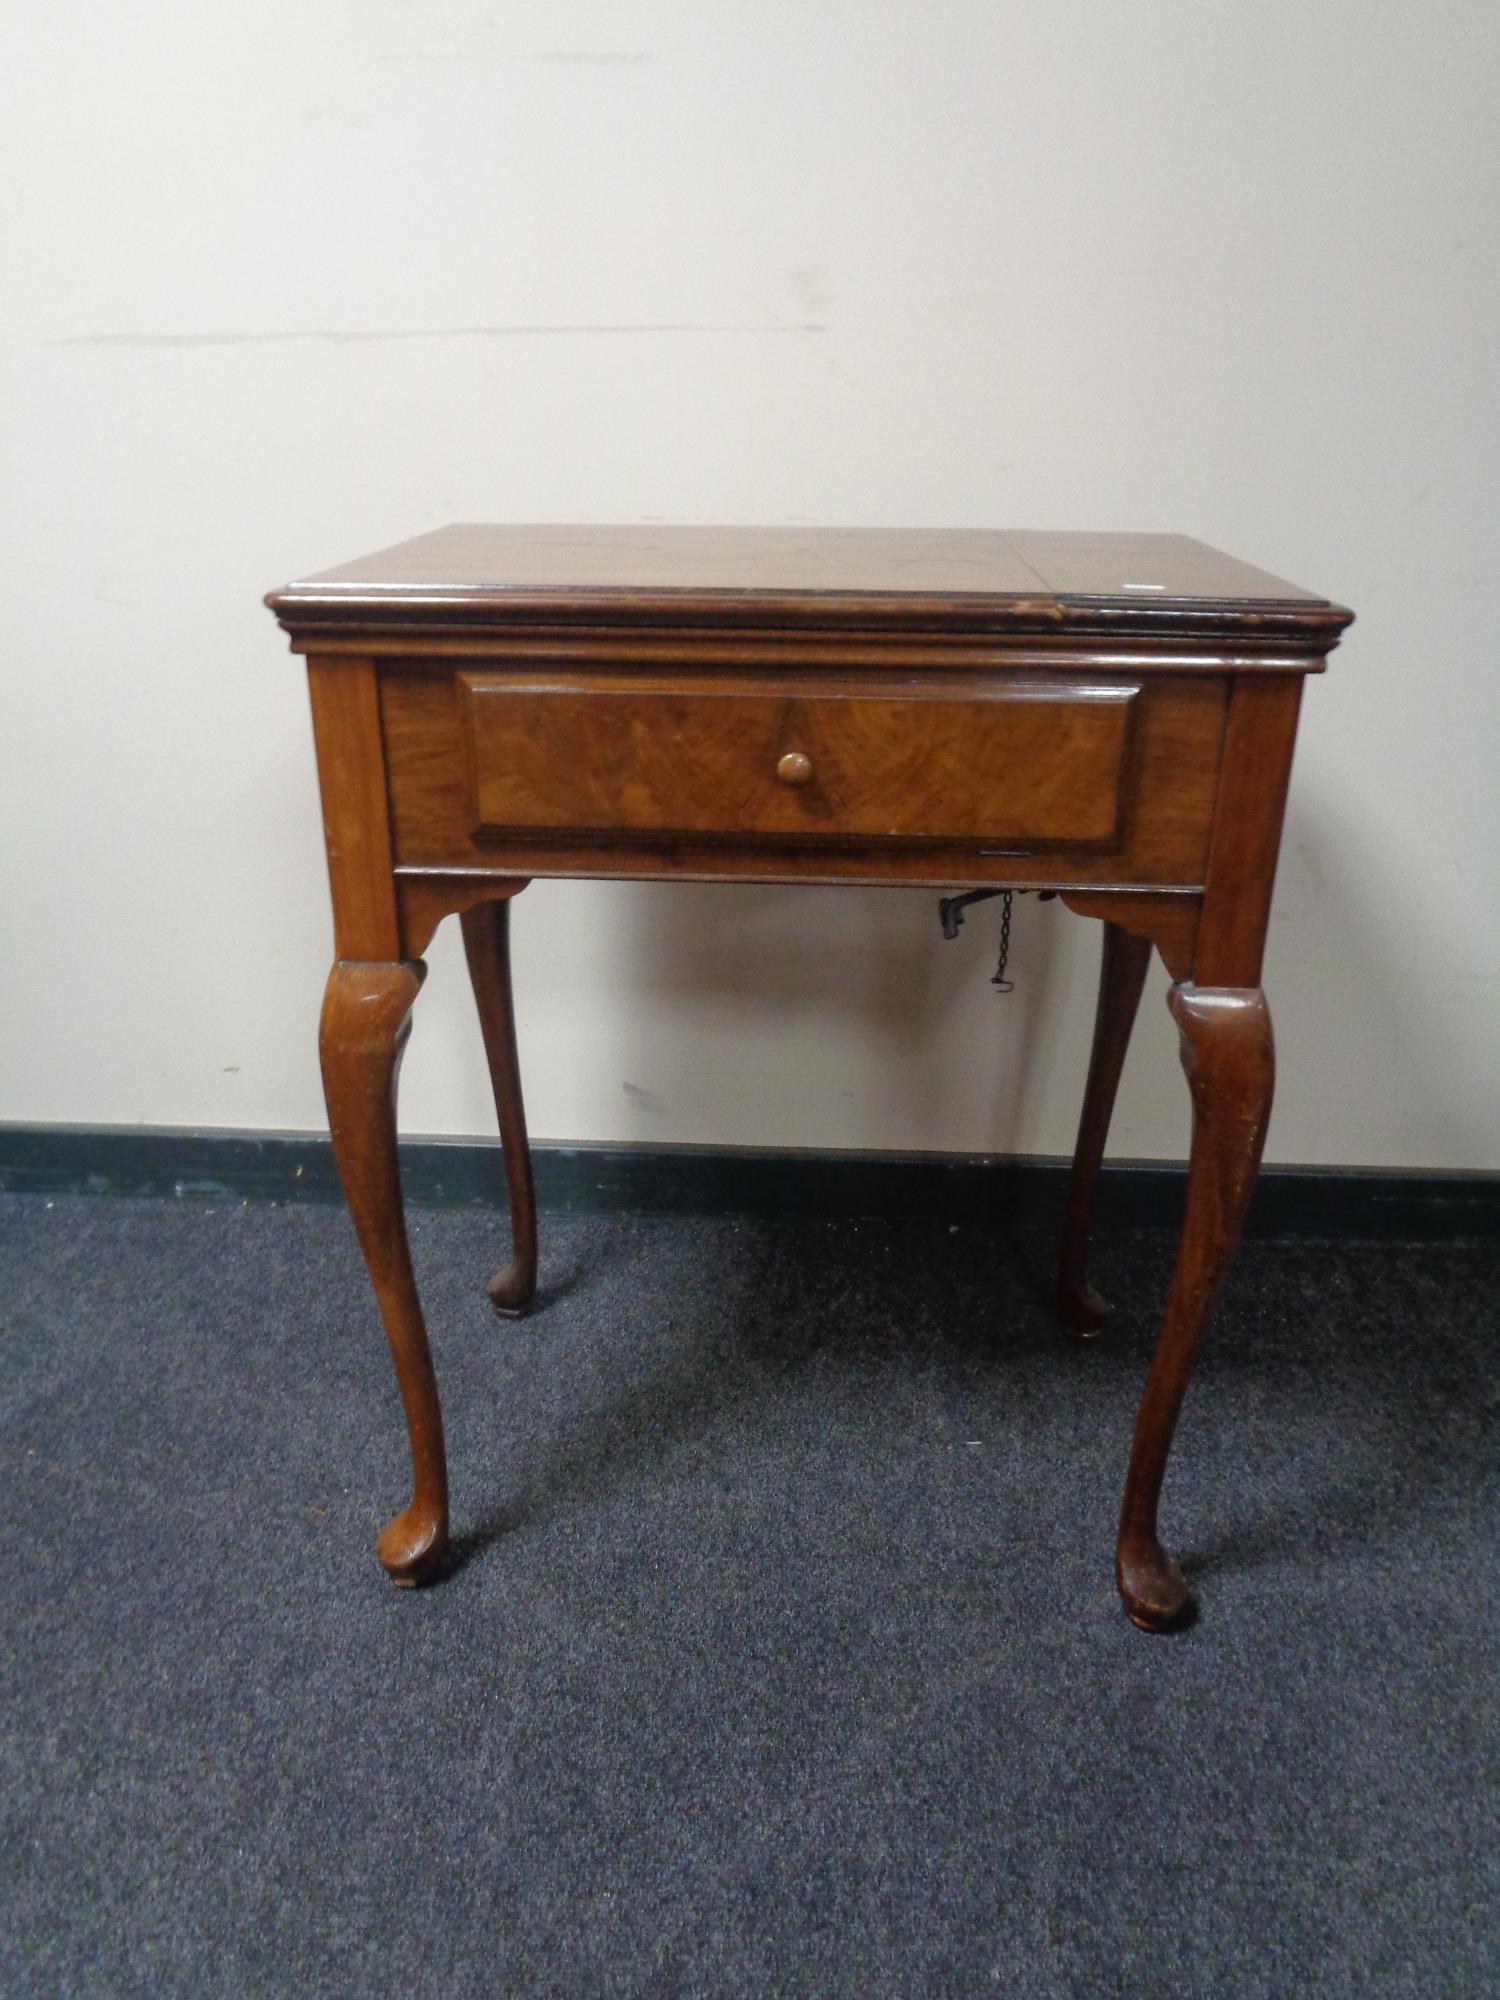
(1108, 716)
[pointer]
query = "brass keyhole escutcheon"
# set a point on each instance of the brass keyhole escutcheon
(794, 768)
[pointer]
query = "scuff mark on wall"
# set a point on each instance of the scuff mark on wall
(612, 56)
(340, 337)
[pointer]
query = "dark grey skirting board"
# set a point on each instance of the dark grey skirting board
(722, 1180)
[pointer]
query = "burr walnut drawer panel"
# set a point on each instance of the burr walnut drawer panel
(1044, 775)
(1029, 760)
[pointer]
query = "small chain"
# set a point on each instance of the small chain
(1000, 983)
(951, 915)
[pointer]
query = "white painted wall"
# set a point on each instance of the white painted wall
(288, 282)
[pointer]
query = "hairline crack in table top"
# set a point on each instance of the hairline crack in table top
(792, 578)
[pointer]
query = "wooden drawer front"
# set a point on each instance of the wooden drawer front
(1023, 760)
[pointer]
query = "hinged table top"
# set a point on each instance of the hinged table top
(473, 576)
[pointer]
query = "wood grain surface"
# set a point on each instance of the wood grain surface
(958, 824)
(1026, 760)
(469, 575)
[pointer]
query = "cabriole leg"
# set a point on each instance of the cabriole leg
(1228, 1054)
(487, 945)
(1122, 974)
(366, 1020)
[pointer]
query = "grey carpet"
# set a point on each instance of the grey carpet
(783, 1655)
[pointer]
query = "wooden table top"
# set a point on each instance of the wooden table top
(476, 575)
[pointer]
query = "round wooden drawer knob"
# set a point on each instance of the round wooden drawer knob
(794, 768)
